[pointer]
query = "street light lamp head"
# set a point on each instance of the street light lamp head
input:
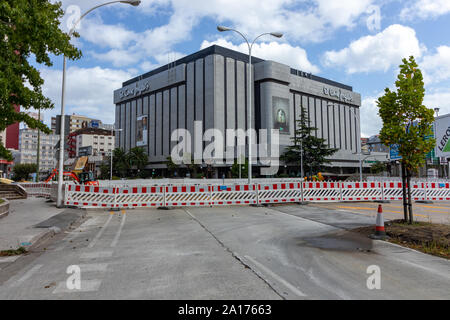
(223, 29)
(276, 34)
(436, 110)
(132, 2)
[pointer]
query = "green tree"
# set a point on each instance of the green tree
(105, 170)
(120, 163)
(407, 123)
(23, 171)
(29, 31)
(235, 169)
(138, 158)
(5, 154)
(315, 150)
(378, 167)
(171, 166)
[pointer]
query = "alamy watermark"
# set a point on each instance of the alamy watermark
(374, 280)
(73, 13)
(73, 282)
(224, 148)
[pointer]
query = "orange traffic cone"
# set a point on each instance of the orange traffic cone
(380, 232)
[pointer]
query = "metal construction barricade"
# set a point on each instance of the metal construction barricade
(187, 196)
(279, 192)
(361, 191)
(38, 189)
(89, 196)
(322, 191)
(139, 197)
(243, 194)
(438, 191)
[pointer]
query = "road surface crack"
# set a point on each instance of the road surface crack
(234, 255)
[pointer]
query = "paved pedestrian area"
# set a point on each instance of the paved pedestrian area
(437, 212)
(18, 228)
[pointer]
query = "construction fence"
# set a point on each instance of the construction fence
(269, 193)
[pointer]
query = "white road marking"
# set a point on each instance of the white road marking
(27, 275)
(100, 233)
(276, 277)
(96, 255)
(116, 238)
(9, 259)
(86, 286)
(77, 232)
(94, 267)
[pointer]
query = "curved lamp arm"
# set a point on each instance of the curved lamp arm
(131, 2)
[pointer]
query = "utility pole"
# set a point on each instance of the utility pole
(38, 151)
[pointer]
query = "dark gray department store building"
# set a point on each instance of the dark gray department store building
(211, 86)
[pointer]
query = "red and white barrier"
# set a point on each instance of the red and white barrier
(361, 191)
(233, 195)
(187, 196)
(322, 191)
(207, 195)
(38, 189)
(279, 193)
(438, 191)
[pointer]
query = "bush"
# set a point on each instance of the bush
(23, 171)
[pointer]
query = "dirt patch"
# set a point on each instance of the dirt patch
(17, 252)
(429, 238)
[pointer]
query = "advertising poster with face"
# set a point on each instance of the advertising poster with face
(280, 107)
(141, 131)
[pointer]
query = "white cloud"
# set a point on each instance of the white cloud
(371, 123)
(295, 57)
(436, 67)
(103, 35)
(89, 91)
(378, 52)
(439, 98)
(342, 13)
(314, 21)
(119, 57)
(425, 9)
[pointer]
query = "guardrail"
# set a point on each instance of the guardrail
(243, 194)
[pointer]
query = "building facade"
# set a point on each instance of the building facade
(12, 134)
(73, 123)
(210, 86)
(376, 145)
(91, 141)
(28, 145)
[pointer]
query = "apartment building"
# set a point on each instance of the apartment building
(28, 146)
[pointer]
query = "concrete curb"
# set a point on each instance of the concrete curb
(46, 234)
(4, 208)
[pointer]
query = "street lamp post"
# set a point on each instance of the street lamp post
(134, 3)
(112, 151)
(249, 89)
(360, 148)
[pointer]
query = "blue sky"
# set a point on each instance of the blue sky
(357, 42)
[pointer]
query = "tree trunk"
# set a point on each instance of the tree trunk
(411, 218)
(405, 204)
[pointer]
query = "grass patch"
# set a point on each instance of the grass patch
(1, 201)
(430, 238)
(16, 252)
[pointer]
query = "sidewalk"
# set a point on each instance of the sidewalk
(32, 220)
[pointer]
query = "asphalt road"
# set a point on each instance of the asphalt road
(283, 252)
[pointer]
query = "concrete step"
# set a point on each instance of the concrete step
(10, 195)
